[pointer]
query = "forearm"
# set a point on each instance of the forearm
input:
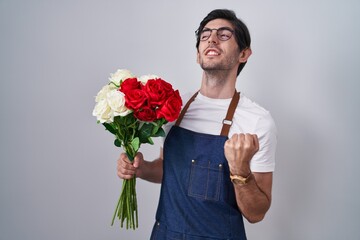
(151, 171)
(252, 200)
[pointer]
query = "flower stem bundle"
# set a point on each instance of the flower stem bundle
(126, 207)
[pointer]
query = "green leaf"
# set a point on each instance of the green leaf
(119, 120)
(135, 143)
(155, 129)
(150, 141)
(129, 119)
(145, 132)
(160, 133)
(117, 143)
(141, 125)
(110, 128)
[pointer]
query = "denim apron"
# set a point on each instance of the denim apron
(197, 199)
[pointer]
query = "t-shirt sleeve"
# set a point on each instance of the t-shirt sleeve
(264, 159)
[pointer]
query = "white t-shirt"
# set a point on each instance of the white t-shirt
(205, 115)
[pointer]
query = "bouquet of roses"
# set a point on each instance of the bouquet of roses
(134, 110)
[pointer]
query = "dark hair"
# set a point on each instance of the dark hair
(241, 33)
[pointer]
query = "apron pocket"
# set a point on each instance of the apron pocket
(205, 180)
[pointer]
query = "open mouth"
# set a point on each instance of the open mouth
(212, 52)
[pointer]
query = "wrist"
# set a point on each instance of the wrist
(240, 180)
(241, 170)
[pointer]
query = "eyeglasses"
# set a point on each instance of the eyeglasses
(223, 33)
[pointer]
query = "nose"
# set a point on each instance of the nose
(213, 38)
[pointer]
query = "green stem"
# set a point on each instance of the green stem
(126, 208)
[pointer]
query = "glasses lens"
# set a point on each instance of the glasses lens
(224, 34)
(205, 34)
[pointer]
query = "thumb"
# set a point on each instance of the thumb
(137, 160)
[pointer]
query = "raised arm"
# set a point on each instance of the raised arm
(253, 197)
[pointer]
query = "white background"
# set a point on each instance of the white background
(58, 167)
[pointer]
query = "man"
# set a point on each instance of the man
(210, 181)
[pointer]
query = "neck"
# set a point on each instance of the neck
(219, 84)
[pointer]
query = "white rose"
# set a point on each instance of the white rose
(120, 75)
(103, 112)
(104, 91)
(116, 101)
(145, 78)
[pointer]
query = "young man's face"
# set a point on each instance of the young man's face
(216, 54)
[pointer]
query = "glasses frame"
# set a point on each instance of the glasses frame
(198, 33)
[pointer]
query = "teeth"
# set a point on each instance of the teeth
(212, 53)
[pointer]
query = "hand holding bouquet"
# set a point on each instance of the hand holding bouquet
(134, 110)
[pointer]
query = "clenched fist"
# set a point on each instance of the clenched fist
(127, 169)
(239, 150)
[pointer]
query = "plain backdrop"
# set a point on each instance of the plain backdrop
(58, 167)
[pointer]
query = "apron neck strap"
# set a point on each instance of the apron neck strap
(183, 111)
(227, 122)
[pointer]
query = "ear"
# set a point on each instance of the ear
(244, 55)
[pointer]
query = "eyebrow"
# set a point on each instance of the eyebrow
(228, 28)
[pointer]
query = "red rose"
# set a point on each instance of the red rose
(171, 108)
(146, 114)
(135, 99)
(158, 91)
(129, 84)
